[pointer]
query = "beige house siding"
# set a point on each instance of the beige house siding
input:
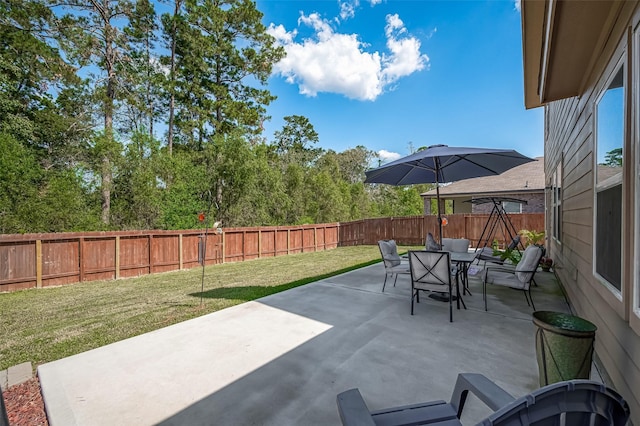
(570, 141)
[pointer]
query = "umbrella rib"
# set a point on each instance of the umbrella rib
(418, 165)
(464, 157)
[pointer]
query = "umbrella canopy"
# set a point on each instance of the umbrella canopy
(441, 163)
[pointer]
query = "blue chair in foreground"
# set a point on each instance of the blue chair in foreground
(4, 418)
(574, 402)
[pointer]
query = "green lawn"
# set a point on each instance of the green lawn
(52, 323)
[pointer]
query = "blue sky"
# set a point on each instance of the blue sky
(391, 74)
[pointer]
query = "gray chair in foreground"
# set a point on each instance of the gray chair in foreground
(393, 264)
(4, 418)
(574, 402)
(519, 277)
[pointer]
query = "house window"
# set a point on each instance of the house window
(608, 183)
(556, 202)
(512, 207)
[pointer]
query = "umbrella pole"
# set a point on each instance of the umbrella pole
(437, 163)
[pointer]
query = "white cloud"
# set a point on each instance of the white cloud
(386, 156)
(375, 2)
(405, 57)
(338, 63)
(517, 5)
(348, 9)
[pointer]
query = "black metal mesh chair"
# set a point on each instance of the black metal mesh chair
(431, 271)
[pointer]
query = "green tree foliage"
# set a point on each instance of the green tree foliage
(87, 86)
(223, 57)
(143, 69)
(294, 143)
(613, 158)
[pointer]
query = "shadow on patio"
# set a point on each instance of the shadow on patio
(284, 358)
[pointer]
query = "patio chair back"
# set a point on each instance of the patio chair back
(526, 268)
(392, 261)
(389, 252)
(456, 245)
(574, 402)
(431, 271)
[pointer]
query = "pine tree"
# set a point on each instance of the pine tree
(93, 36)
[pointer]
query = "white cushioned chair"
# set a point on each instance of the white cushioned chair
(519, 277)
(456, 245)
(393, 263)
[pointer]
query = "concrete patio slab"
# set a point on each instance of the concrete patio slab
(281, 360)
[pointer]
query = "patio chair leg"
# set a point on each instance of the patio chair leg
(451, 306)
(412, 296)
(531, 298)
(526, 297)
(395, 279)
(484, 294)
(385, 281)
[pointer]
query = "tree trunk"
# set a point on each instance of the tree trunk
(172, 100)
(106, 190)
(109, 53)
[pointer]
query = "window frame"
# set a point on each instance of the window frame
(608, 291)
(556, 203)
(511, 202)
(634, 302)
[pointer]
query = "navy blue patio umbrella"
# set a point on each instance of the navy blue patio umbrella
(442, 164)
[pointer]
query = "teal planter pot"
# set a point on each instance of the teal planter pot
(564, 346)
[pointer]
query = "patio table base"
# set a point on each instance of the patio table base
(441, 297)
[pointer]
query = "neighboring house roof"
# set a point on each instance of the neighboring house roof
(528, 177)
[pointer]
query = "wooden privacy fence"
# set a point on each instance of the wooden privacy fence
(412, 230)
(41, 260)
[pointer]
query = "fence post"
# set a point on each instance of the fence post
(288, 240)
(223, 249)
(150, 254)
(259, 242)
(180, 257)
(38, 263)
(244, 245)
(117, 256)
(315, 238)
(81, 259)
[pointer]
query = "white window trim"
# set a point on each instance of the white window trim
(609, 292)
(556, 203)
(513, 202)
(634, 317)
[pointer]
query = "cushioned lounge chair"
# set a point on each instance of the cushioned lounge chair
(519, 277)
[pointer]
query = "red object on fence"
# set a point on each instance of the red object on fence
(201, 217)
